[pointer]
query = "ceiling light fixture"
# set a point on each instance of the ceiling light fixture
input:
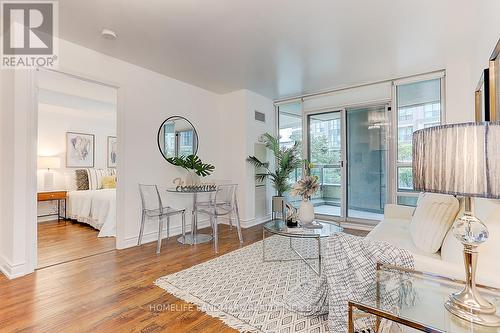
(109, 34)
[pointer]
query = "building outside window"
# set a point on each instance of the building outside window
(405, 134)
(405, 114)
(418, 106)
(290, 130)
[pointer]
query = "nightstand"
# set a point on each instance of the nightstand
(51, 196)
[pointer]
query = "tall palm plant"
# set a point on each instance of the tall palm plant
(287, 160)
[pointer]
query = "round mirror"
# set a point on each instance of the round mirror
(177, 137)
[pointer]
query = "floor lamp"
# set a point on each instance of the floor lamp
(463, 160)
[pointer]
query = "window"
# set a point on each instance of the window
(431, 124)
(405, 114)
(290, 130)
(185, 143)
(290, 124)
(418, 106)
(405, 134)
(432, 111)
(331, 176)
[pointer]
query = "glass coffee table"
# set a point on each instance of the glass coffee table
(415, 300)
(279, 227)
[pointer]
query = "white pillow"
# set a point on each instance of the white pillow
(432, 219)
(452, 250)
(95, 177)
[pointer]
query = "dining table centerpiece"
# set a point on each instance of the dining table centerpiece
(194, 167)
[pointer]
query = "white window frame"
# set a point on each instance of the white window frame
(394, 180)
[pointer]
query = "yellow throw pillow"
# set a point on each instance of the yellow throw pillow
(109, 182)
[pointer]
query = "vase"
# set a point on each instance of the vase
(306, 211)
(278, 206)
(191, 178)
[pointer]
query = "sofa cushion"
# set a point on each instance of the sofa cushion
(397, 232)
(431, 220)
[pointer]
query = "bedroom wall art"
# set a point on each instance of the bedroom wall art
(79, 150)
(112, 145)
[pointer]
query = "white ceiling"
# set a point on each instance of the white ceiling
(274, 47)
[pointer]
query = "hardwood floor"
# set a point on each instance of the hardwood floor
(113, 291)
(59, 242)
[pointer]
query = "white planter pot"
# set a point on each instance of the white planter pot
(306, 212)
(191, 178)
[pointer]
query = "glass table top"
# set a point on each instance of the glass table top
(420, 298)
(280, 228)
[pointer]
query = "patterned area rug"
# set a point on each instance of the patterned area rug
(245, 292)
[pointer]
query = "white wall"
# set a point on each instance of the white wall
(18, 190)
(145, 99)
(239, 134)
(54, 122)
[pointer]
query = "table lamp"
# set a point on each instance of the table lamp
(462, 160)
(48, 162)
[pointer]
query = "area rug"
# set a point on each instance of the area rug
(245, 292)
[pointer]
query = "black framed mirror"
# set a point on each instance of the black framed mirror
(177, 137)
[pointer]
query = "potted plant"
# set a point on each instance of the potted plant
(287, 160)
(194, 168)
(306, 188)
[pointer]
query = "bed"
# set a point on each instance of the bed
(96, 208)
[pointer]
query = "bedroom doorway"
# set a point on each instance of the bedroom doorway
(76, 167)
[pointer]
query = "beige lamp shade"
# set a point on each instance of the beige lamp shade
(458, 159)
(49, 162)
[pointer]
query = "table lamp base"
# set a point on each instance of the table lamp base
(478, 316)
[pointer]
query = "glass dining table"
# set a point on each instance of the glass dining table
(193, 237)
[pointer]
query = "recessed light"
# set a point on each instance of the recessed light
(109, 34)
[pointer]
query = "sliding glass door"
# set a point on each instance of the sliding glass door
(348, 150)
(325, 142)
(367, 153)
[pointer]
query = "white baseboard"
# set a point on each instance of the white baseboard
(255, 221)
(12, 271)
(152, 236)
(175, 230)
(47, 219)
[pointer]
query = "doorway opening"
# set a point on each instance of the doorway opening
(77, 159)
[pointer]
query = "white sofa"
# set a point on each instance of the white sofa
(395, 229)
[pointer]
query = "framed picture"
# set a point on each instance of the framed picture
(482, 98)
(80, 150)
(487, 95)
(112, 151)
(494, 83)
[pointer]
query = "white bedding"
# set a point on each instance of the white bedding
(96, 208)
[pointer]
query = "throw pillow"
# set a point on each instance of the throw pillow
(82, 180)
(432, 219)
(109, 182)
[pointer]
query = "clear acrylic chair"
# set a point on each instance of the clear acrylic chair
(223, 203)
(152, 207)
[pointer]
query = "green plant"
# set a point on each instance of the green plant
(192, 162)
(287, 160)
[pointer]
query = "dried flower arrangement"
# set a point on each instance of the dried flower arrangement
(306, 187)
